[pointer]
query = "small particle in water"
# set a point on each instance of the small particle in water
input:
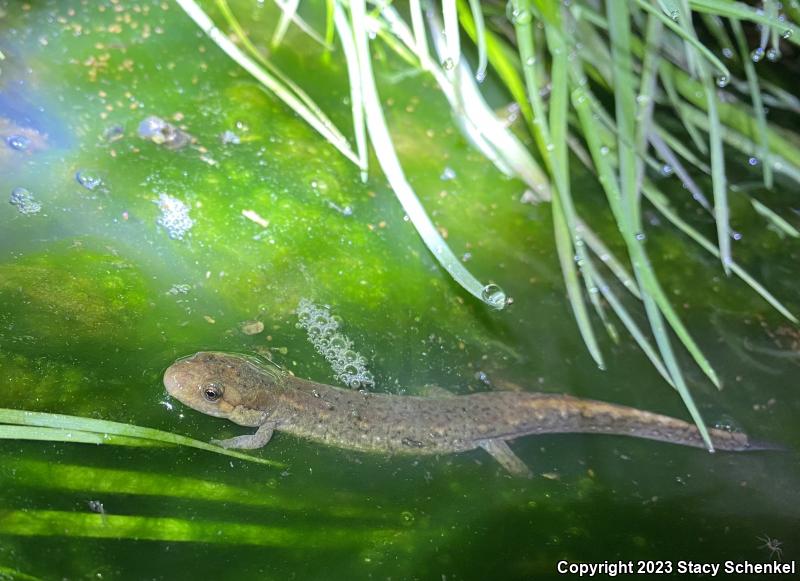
(209, 319)
(167, 405)
(727, 53)
(753, 161)
(254, 217)
(163, 133)
(467, 256)
(322, 328)
(448, 174)
(251, 327)
(114, 133)
(174, 216)
(18, 142)
(230, 138)
(88, 180)
(24, 201)
(179, 289)
(343, 210)
(483, 378)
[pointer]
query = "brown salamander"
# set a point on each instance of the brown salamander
(261, 395)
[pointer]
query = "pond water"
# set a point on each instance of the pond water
(161, 203)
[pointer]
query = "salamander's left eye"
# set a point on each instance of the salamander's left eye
(212, 392)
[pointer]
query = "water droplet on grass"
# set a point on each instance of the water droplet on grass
(494, 296)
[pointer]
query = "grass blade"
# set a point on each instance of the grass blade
(126, 431)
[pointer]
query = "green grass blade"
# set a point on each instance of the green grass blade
(755, 95)
(73, 436)
(663, 206)
(288, 11)
(382, 143)
(480, 36)
(64, 422)
(653, 297)
(741, 11)
(321, 124)
(353, 74)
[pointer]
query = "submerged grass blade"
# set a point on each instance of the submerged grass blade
(127, 431)
(781, 224)
(99, 480)
(54, 523)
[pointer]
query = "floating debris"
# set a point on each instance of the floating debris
(24, 201)
(163, 133)
(174, 216)
(230, 138)
(88, 180)
(251, 327)
(18, 142)
(349, 366)
(448, 174)
(254, 217)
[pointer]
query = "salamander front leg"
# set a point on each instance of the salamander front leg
(249, 441)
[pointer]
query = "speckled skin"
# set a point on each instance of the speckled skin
(253, 394)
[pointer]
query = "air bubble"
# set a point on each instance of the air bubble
(88, 180)
(723, 81)
(757, 55)
(349, 366)
(174, 216)
(24, 201)
(18, 142)
(727, 53)
(773, 55)
(448, 64)
(787, 34)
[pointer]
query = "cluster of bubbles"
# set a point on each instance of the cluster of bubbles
(24, 201)
(349, 366)
(174, 216)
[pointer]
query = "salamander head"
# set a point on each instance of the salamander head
(225, 386)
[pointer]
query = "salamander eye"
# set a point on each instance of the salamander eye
(212, 392)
